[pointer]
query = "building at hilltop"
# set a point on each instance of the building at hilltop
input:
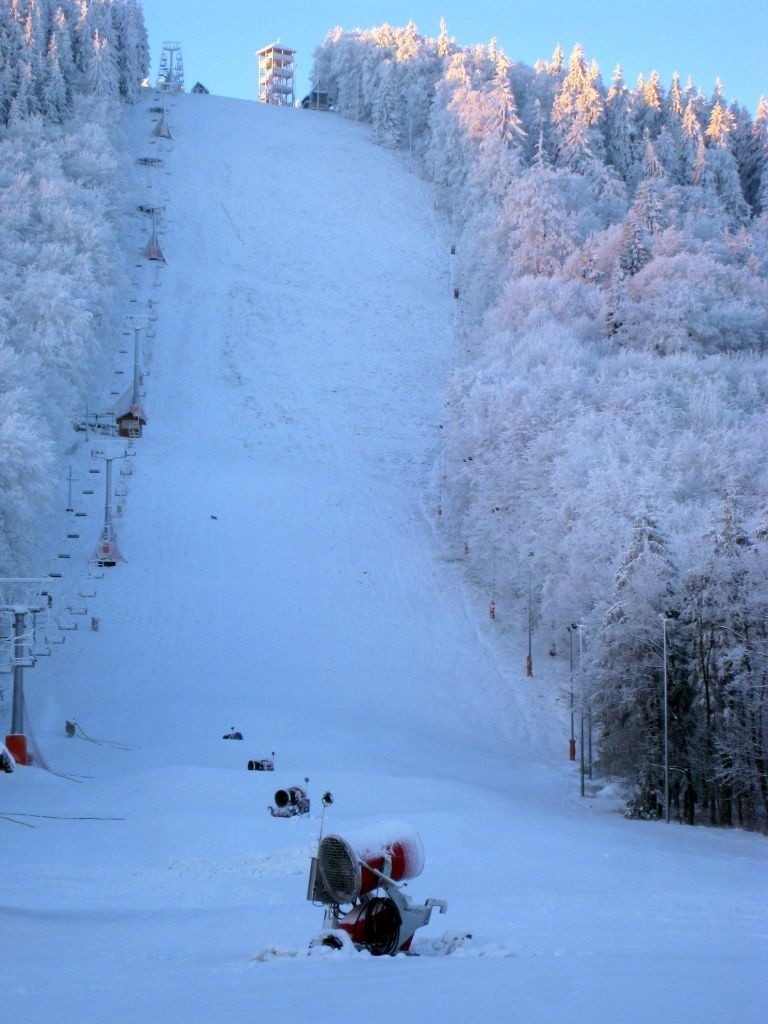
(276, 75)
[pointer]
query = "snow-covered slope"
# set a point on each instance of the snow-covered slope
(284, 575)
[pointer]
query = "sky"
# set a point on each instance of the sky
(705, 40)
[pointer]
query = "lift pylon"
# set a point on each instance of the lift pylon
(153, 250)
(161, 129)
(170, 76)
(19, 598)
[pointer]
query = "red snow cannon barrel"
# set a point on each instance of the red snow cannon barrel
(348, 869)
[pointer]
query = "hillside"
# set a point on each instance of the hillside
(284, 575)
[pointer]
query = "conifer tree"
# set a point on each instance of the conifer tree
(692, 137)
(577, 113)
(628, 696)
(620, 134)
(675, 104)
(649, 106)
(387, 116)
(504, 120)
(754, 164)
(443, 41)
(723, 613)
(56, 101)
(132, 48)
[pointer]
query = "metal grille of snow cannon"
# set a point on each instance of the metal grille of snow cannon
(348, 872)
(339, 869)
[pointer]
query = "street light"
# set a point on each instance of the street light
(665, 618)
(572, 742)
(580, 628)
(529, 659)
(664, 621)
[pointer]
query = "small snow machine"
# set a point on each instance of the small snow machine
(381, 919)
(263, 764)
(290, 802)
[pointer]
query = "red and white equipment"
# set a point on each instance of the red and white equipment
(381, 919)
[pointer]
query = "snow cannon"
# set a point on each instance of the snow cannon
(348, 873)
(290, 802)
(365, 873)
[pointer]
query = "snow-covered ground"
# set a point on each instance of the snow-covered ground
(284, 574)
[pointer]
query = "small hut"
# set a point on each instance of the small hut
(129, 416)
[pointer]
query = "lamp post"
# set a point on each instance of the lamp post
(580, 628)
(572, 741)
(529, 658)
(666, 722)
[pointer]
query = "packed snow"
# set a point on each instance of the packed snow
(284, 577)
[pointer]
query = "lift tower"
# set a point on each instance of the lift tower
(18, 599)
(170, 76)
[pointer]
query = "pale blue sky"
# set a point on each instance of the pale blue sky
(705, 39)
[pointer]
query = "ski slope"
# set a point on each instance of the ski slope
(284, 574)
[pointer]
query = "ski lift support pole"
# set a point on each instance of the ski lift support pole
(17, 707)
(137, 329)
(108, 533)
(19, 609)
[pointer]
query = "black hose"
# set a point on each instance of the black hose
(381, 926)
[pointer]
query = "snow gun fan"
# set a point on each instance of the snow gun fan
(381, 919)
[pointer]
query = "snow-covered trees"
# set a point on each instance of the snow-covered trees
(628, 694)
(58, 255)
(577, 113)
(612, 248)
(50, 49)
(722, 631)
